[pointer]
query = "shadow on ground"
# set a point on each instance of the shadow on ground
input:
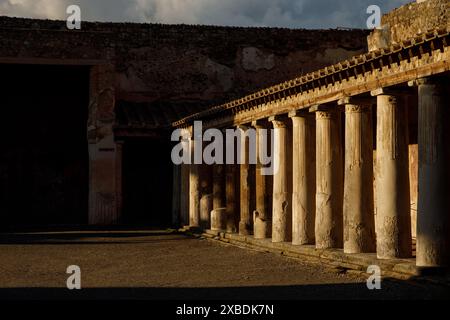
(156, 269)
(69, 236)
(301, 292)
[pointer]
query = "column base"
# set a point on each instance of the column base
(262, 228)
(219, 219)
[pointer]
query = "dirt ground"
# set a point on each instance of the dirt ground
(163, 265)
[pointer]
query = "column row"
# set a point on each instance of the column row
(326, 191)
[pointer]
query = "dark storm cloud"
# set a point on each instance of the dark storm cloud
(282, 13)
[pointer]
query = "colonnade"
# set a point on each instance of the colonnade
(342, 178)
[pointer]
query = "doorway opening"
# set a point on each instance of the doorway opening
(147, 183)
(44, 158)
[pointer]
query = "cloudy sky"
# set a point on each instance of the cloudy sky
(274, 13)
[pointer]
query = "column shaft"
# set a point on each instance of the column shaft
(359, 220)
(304, 179)
(393, 223)
(194, 195)
(329, 168)
(264, 186)
(206, 195)
(247, 177)
(433, 221)
(232, 197)
(219, 186)
(218, 215)
(282, 182)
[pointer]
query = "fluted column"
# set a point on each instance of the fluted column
(433, 219)
(393, 207)
(282, 181)
(264, 183)
(304, 178)
(358, 209)
(329, 175)
(247, 172)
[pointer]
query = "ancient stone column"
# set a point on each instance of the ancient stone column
(184, 182)
(247, 172)
(206, 206)
(194, 196)
(282, 181)
(232, 197)
(393, 207)
(219, 186)
(433, 219)
(329, 179)
(264, 183)
(358, 209)
(304, 178)
(218, 214)
(194, 188)
(206, 195)
(232, 187)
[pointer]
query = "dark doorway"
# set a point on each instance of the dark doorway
(147, 183)
(44, 154)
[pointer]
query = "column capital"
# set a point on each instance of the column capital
(390, 91)
(279, 121)
(434, 80)
(261, 124)
(354, 108)
(328, 107)
(325, 111)
(325, 115)
(186, 134)
(357, 101)
(319, 108)
(189, 129)
(301, 113)
(243, 127)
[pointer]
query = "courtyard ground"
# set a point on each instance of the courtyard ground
(165, 265)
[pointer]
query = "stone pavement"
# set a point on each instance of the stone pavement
(167, 265)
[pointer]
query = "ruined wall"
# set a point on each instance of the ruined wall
(180, 64)
(410, 20)
(415, 18)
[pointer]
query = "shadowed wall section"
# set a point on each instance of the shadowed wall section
(44, 158)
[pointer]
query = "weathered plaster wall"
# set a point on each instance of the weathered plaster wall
(181, 64)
